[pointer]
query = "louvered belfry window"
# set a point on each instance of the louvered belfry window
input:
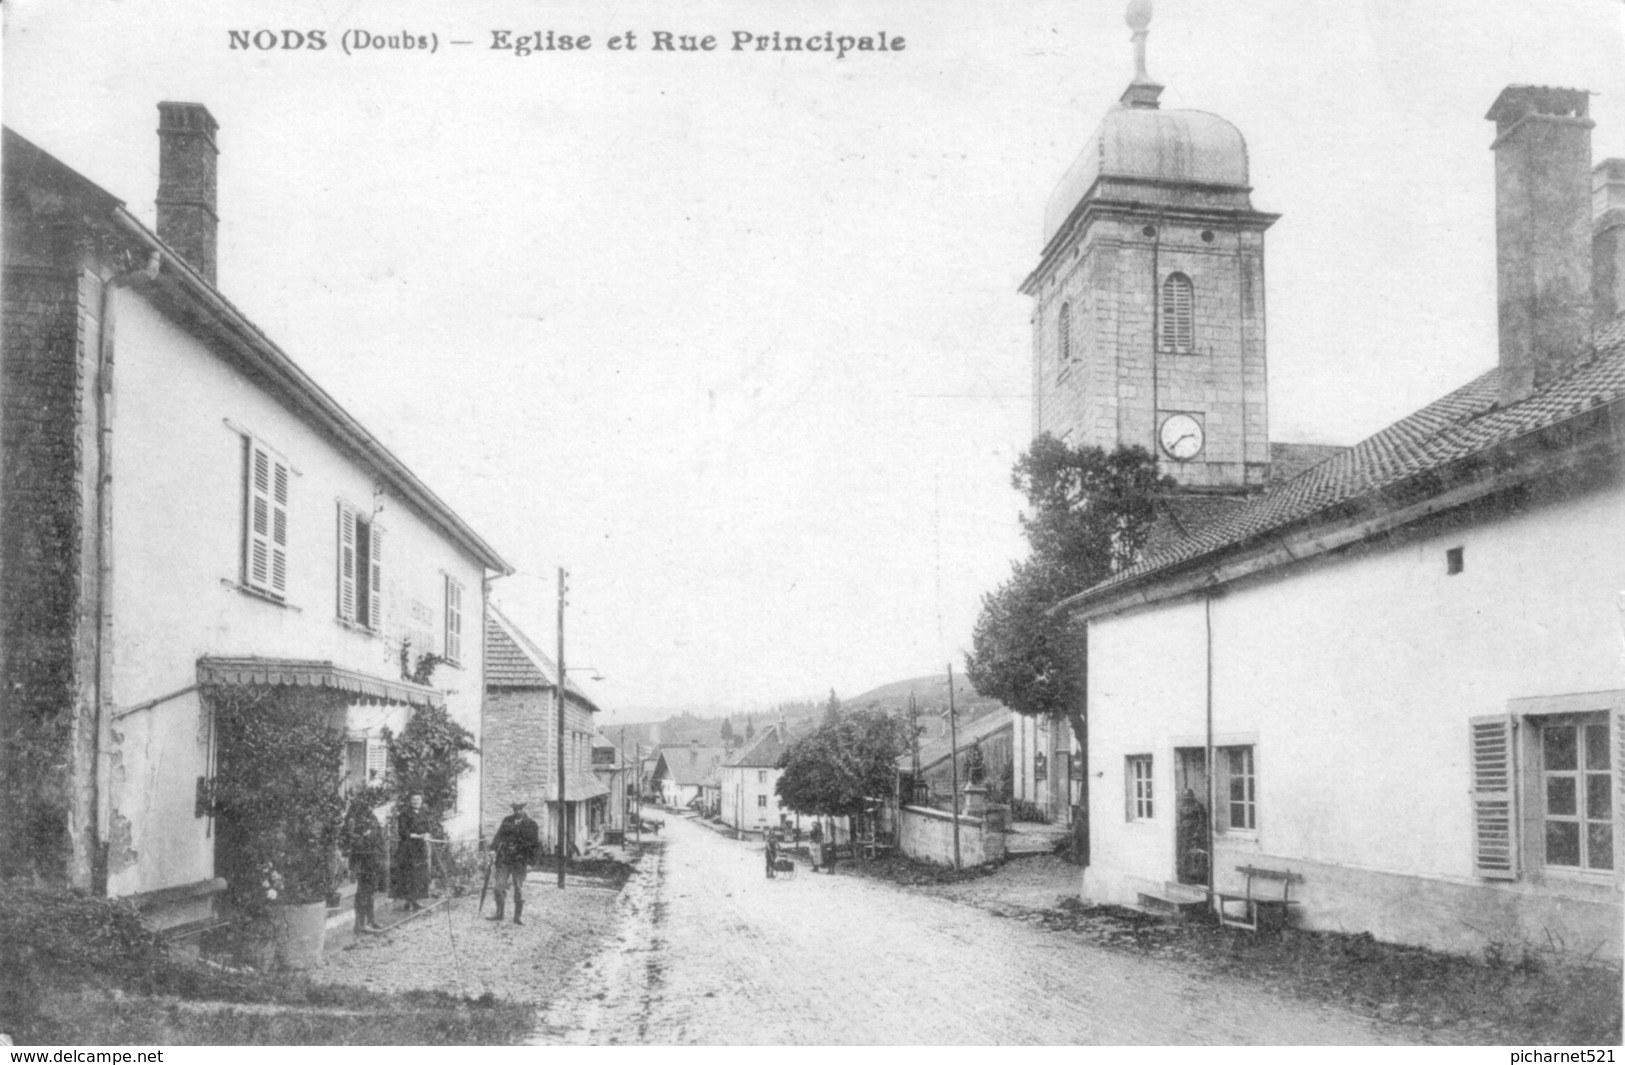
(1063, 330)
(1177, 314)
(265, 525)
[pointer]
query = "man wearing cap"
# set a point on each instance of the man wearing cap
(513, 848)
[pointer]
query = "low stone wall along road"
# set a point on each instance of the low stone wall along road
(708, 951)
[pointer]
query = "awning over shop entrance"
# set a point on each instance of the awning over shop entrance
(306, 673)
(578, 787)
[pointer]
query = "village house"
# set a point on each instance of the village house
(682, 773)
(749, 781)
(522, 746)
(1388, 688)
(613, 770)
(201, 522)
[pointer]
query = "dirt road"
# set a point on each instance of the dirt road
(710, 951)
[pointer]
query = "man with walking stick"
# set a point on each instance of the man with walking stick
(513, 848)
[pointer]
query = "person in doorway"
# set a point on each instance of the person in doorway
(415, 829)
(365, 843)
(1191, 826)
(513, 848)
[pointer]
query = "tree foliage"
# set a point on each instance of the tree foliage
(1090, 512)
(727, 733)
(832, 708)
(427, 758)
(833, 771)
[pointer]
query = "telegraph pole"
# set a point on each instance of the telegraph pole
(637, 790)
(563, 819)
(953, 763)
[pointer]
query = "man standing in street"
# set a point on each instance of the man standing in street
(513, 848)
(365, 838)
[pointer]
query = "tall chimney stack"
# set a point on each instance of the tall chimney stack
(1542, 232)
(1608, 241)
(187, 220)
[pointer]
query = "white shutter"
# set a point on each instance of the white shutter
(454, 621)
(375, 581)
(1618, 724)
(265, 545)
(1495, 851)
(279, 528)
(377, 760)
(346, 563)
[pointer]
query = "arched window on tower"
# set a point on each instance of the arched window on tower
(1178, 330)
(1063, 336)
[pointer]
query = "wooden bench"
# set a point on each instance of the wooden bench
(1258, 911)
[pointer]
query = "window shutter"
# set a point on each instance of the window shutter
(265, 549)
(454, 621)
(1494, 818)
(346, 563)
(1618, 724)
(375, 581)
(377, 760)
(279, 528)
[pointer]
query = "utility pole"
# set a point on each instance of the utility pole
(563, 819)
(622, 750)
(953, 763)
(637, 790)
(914, 745)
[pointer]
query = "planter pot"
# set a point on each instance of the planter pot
(299, 931)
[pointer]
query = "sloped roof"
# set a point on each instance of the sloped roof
(1461, 425)
(512, 660)
(692, 765)
(763, 751)
(236, 334)
(970, 734)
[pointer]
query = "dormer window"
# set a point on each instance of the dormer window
(1176, 317)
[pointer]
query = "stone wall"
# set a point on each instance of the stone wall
(46, 562)
(928, 836)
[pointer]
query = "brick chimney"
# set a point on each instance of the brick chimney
(187, 220)
(1608, 239)
(1542, 232)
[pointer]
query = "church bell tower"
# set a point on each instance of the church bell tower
(1148, 297)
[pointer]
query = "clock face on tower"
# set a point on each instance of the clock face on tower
(1181, 437)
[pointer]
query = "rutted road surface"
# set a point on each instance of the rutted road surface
(710, 951)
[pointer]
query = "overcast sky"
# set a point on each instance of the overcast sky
(735, 336)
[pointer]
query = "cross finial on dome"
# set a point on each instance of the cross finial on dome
(1143, 90)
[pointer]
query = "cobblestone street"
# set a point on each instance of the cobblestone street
(709, 951)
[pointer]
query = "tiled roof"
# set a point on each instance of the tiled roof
(692, 765)
(970, 733)
(1468, 421)
(764, 750)
(513, 661)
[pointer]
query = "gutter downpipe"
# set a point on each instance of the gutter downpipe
(102, 784)
(1207, 753)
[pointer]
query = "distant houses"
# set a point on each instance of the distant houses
(682, 774)
(750, 776)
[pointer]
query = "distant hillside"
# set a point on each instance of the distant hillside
(930, 696)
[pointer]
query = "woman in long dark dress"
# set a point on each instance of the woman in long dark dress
(412, 868)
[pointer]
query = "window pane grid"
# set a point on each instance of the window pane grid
(1579, 831)
(1142, 806)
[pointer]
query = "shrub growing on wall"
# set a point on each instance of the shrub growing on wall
(276, 793)
(428, 757)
